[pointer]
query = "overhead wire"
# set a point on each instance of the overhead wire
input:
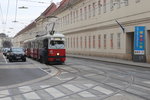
(2, 17)
(8, 2)
(16, 11)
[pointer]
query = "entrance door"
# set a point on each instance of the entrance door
(148, 46)
(130, 44)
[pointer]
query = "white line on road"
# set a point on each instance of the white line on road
(72, 87)
(44, 70)
(54, 92)
(4, 93)
(147, 82)
(86, 94)
(25, 89)
(5, 59)
(7, 98)
(31, 96)
(89, 85)
(103, 90)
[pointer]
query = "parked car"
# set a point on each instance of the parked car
(5, 51)
(16, 54)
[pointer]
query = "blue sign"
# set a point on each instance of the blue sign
(139, 40)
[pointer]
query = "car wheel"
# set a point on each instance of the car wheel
(10, 60)
(24, 60)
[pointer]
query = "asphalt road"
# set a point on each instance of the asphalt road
(77, 79)
(18, 72)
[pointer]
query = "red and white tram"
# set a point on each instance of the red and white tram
(47, 48)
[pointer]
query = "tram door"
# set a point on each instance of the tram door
(45, 48)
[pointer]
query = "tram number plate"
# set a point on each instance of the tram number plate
(57, 59)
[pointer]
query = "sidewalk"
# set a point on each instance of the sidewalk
(112, 60)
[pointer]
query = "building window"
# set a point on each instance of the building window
(99, 6)
(104, 7)
(71, 17)
(125, 2)
(119, 3)
(89, 41)
(77, 15)
(93, 41)
(105, 41)
(81, 41)
(74, 42)
(68, 19)
(71, 42)
(85, 42)
(111, 5)
(111, 41)
(137, 1)
(93, 9)
(119, 40)
(68, 42)
(81, 14)
(74, 17)
(85, 13)
(99, 41)
(89, 11)
(77, 42)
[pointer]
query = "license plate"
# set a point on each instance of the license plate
(18, 57)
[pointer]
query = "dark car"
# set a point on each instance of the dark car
(5, 51)
(16, 54)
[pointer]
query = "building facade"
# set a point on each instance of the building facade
(103, 27)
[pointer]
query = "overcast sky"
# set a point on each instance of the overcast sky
(8, 14)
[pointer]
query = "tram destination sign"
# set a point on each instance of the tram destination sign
(139, 40)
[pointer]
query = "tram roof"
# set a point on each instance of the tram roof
(57, 34)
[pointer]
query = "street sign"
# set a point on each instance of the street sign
(139, 40)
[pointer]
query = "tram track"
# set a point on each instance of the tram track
(77, 73)
(100, 82)
(130, 83)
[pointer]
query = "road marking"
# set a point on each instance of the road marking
(54, 92)
(88, 85)
(5, 59)
(44, 86)
(8, 98)
(64, 78)
(44, 70)
(72, 87)
(88, 75)
(103, 90)
(31, 96)
(4, 93)
(25, 89)
(86, 94)
(147, 82)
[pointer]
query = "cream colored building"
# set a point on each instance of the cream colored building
(91, 29)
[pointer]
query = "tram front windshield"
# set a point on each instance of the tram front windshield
(56, 44)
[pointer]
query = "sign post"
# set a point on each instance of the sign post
(139, 44)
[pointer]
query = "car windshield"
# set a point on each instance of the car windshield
(57, 44)
(17, 49)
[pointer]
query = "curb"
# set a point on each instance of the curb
(145, 65)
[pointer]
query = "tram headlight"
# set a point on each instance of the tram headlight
(57, 54)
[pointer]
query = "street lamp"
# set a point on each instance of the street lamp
(23, 7)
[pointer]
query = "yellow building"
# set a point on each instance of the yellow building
(103, 27)
(91, 27)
